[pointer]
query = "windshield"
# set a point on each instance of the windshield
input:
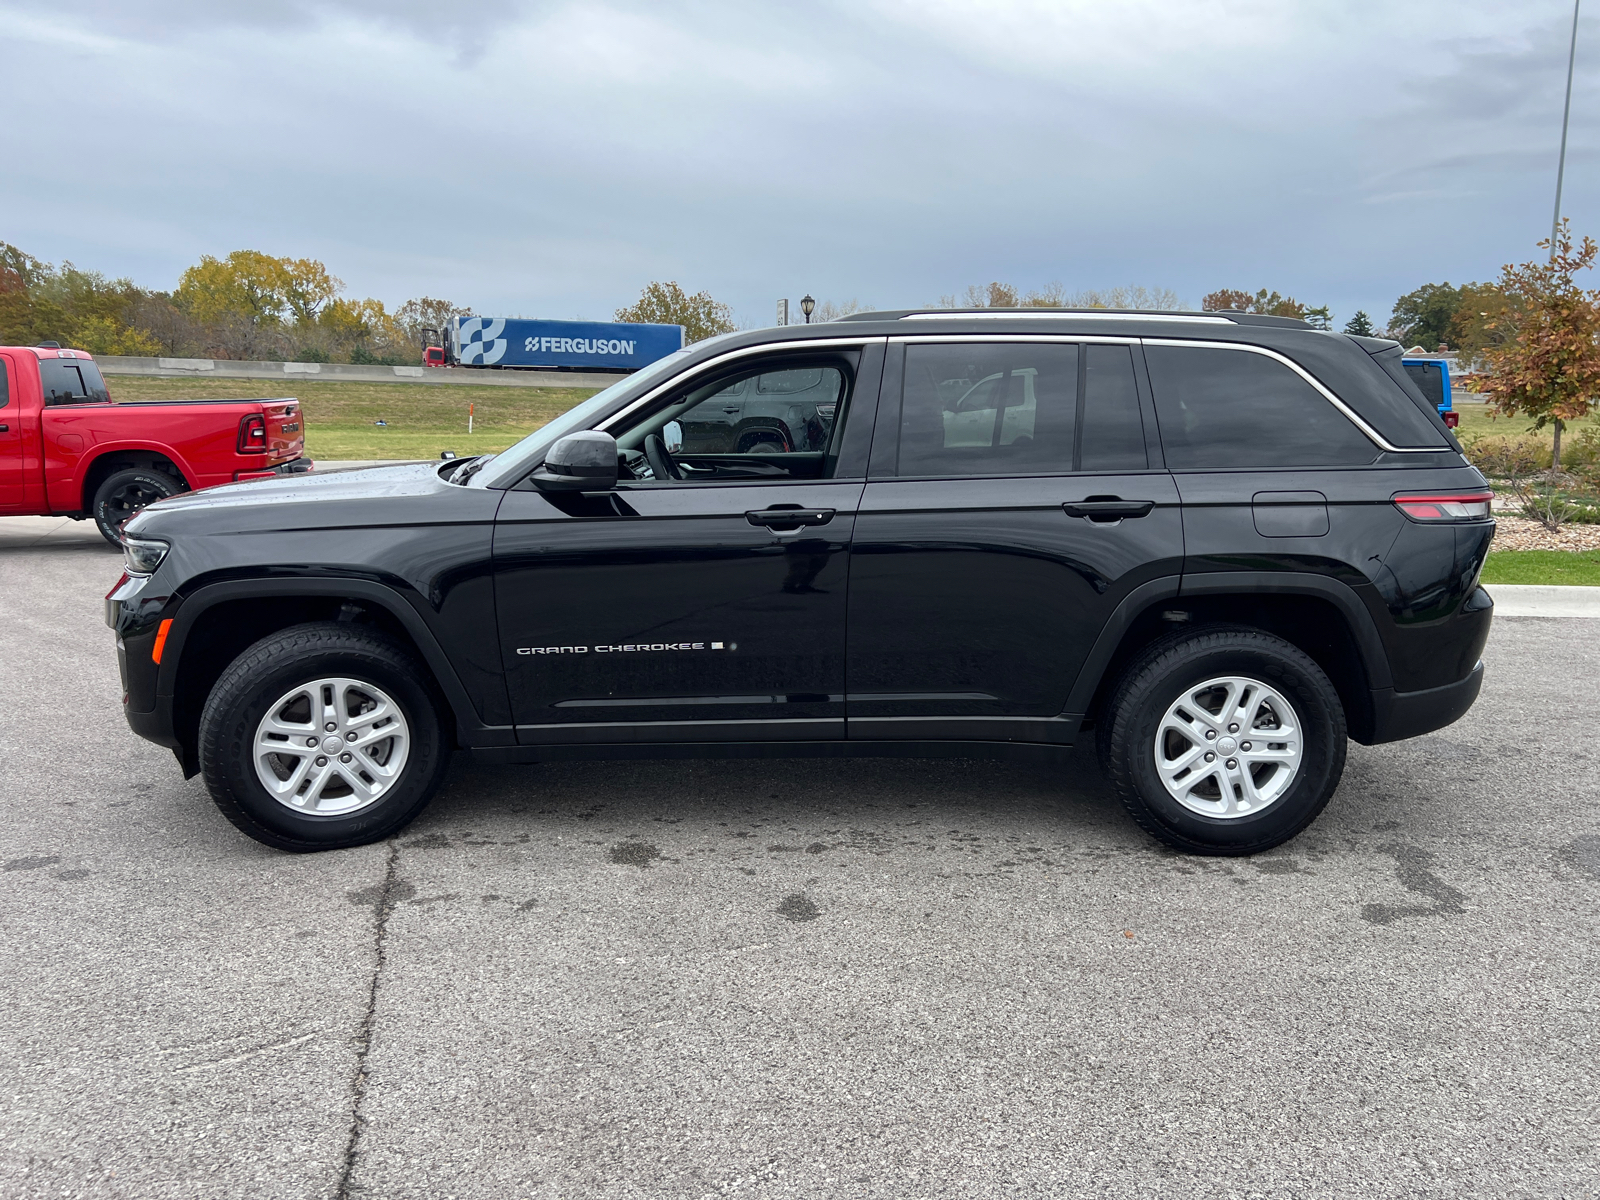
(512, 464)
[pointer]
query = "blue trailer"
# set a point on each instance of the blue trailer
(511, 342)
(1431, 373)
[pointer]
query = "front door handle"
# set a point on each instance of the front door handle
(1108, 509)
(5, 429)
(789, 519)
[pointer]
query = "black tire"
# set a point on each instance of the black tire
(274, 666)
(767, 441)
(1158, 677)
(124, 493)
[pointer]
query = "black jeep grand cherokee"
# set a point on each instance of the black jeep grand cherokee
(1224, 543)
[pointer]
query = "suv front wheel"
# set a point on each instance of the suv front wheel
(1223, 740)
(322, 736)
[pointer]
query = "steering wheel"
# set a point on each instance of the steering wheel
(661, 464)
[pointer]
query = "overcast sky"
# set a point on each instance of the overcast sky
(550, 158)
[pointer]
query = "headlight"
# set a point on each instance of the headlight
(142, 555)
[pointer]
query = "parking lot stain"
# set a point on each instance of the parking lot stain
(32, 864)
(635, 854)
(1582, 854)
(69, 876)
(1278, 866)
(428, 841)
(1411, 869)
(798, 908)
(372, 897)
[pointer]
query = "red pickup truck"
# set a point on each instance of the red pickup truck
(67, 449)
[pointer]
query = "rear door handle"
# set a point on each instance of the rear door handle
(1108, 510)
(5, 429)
(788, 519)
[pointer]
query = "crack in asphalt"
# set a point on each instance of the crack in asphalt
(383, 905)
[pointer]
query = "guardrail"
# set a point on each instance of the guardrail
(223, 368)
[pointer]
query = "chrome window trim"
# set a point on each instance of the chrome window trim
(731, 356)
(1017, 315)
(1354, 418)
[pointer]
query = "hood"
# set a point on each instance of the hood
(370, 496)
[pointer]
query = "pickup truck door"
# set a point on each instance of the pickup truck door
(1011, 506)
(12, 498)
(709, 608)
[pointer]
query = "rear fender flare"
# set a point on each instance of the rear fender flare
(1362, 626)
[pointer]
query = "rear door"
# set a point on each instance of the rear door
(12, 498)
(1014, 502)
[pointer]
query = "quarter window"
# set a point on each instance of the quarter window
(1222, 408)
(5, 385)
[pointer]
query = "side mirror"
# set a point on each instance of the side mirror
(579, 462)
(672, 437)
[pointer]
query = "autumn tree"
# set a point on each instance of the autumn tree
(1360, 325)
(426, 313)
(668, 304)
(1266, 303)
(1548, 364)
(1425, 317)
(84, 309)
(1055, 295)
(1480, 319)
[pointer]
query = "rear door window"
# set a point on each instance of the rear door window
(1113, 431)
(1220, 407)
(989, 409)
(71, 381)
(5, 385)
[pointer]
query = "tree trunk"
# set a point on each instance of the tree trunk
(1555, 453)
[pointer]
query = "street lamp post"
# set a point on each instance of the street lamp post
(807, 306)
(1566, 114)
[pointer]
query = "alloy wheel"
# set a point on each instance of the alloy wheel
(1229, 747)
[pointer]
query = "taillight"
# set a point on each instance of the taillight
(1446, 506)
(1452, 420)
(252, 434)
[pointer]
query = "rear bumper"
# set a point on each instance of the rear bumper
(298, 466)
(1398, 715)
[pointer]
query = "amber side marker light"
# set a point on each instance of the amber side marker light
(161, 641)
(1446, 506)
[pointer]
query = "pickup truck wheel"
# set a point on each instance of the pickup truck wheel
(124, 493)
(1224, 740)
(322, 736)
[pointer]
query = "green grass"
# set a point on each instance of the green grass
(1575, 567)
(1480, 421)
(422, 419)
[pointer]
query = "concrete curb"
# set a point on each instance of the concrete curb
(1541, 600)
(219, 368)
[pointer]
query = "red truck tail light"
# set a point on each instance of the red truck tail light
(252, 434)
(1452, 420)
(1446, 506)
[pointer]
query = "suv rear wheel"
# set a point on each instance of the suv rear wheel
(322, 736)
(1223, 740)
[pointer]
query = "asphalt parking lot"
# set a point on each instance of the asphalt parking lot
(792, 978)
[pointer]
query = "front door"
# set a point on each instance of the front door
(702, 600)
(1012, 506)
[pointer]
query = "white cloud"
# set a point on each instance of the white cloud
(553, 157)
